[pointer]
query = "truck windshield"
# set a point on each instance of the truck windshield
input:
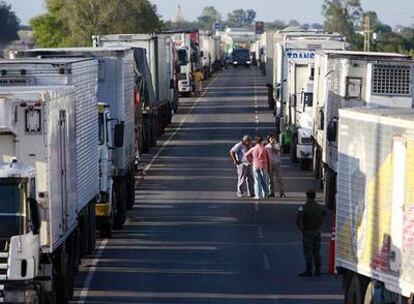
(182, 57)
(11, 210)
(241, 54)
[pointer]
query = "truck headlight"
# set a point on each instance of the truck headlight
(248, 62)
(235, 62)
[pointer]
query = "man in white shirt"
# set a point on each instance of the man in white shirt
(273, 148)
(244, 169)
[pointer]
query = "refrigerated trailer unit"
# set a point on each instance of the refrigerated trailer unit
(82, 73)
(347, 79)
(295, 47)
(41, 192)
(117, 75)
(375, 207)
(161, 60)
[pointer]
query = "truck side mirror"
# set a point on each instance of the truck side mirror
(34, 216)
(332, 130)
(278, 92)
(119, 131)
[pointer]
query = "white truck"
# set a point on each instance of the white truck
(294, 48)
(375, 204)
(210, 53)
(116, 87)
(187, 45)
(347, 79)
(48, 181)
(162, 62)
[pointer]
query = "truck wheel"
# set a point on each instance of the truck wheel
(145, 135)
(91, 227)
(356, 289)
(120, 205)
(369, 294)
(154, 127)
(131, 190)
(304, 164)
(292, 150)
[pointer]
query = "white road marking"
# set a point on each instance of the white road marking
(95, 261)
(260, 232)
(266, 262)
(91, 272)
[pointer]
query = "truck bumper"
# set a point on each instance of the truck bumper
(18, 292)
(304, 151)
(184, 89)
(103, 210)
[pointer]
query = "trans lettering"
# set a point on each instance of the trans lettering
(291, 55)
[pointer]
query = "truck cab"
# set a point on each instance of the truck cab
(19, 233)
(185, 86)
(106, 206)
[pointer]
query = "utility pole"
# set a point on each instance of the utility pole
(367, 34)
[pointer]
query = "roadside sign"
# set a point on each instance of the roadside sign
(259, 27)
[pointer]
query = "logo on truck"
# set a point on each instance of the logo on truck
(300, 55)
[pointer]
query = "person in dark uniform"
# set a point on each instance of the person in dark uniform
(309, 220)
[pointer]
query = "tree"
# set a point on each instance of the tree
(294, 23)
(342, 16)
(73, 22)
(208, 17)
(9, 23)
(241, 18)
(276, 25)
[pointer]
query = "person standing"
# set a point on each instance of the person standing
(198, 82)
(259, 158)
(309, 220)
(244, 169)
(275, 177)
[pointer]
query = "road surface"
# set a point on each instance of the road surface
(189, 239)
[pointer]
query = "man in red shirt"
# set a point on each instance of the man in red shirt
(259, 158)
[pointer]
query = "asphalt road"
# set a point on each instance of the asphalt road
(189, 239)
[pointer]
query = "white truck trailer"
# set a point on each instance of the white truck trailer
(210, 53)
(161, 59)
(347, 79)
(375, 207)
(116, 87)
(294, 48)
(46, 211)
(83, 74)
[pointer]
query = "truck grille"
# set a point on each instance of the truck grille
(4, 255)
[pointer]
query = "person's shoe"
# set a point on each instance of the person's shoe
(282, 195)
(239, 194)
(305, 274)
(271, 195)
(250, 195)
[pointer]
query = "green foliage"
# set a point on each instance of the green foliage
(9, 23)
(342, 16)
(73, 22)
(241, 18)
(208, 17)
(276, 25)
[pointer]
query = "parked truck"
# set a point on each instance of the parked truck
(294, 50)
(161, 60)
(187, 45)
(47, 203)
(210, 52)
(375, 206)
(116, 87)
(347, 79)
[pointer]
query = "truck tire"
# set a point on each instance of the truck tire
(292, 150)
(60, 293)
(154, 130)
(91, 227)
(131, 190)
(145, 135)
(121, 205)
(356, 289)
(369, 294)
(304, 163)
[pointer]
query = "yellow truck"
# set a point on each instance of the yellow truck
(375, 205)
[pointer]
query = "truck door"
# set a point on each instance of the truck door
(63, 165)
(398, 201)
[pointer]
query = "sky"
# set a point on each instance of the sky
(392, 12)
